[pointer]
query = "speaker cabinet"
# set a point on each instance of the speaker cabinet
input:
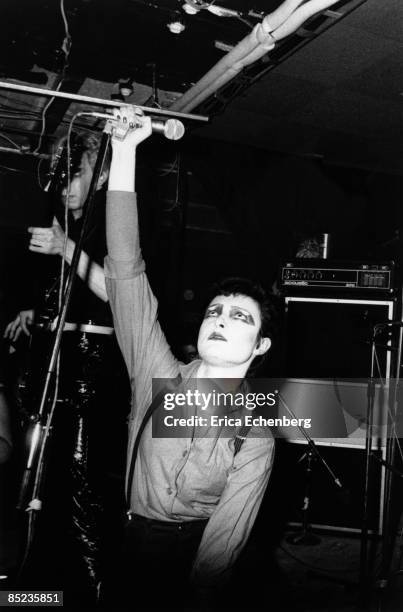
(331, 338)
(327, 348)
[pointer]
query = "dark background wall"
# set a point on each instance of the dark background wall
(209, 209)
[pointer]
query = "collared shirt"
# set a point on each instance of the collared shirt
(180, 479)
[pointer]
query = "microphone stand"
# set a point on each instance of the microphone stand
(388, 518)
(364, 578)
(306, 537)
(387, 529)
(41, 433)
(386, 544)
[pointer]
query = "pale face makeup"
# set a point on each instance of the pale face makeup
(229, 334)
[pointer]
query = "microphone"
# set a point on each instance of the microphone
(173, 129)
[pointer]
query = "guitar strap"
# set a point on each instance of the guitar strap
(171, 386)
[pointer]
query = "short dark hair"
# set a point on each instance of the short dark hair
(250, 288)
(268, 312)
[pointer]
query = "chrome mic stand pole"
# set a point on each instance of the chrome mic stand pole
(364, 583)
(306, 537)
(98, 101)
(390, 477)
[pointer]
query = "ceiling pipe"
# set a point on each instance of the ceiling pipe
(277, 25)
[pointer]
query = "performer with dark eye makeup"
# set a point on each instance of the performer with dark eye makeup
(192, 500)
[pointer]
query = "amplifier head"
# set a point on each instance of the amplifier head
(324, 276)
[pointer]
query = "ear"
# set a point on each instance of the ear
(102, 179)
(262, 346)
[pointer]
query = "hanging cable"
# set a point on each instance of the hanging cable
(11, 141)
(38, 174)
(172, 167)
(66, 48)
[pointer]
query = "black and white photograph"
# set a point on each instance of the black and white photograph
(201, 305)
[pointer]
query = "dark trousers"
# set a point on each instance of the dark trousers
(154, 569)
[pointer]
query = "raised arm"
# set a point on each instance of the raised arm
(134, 307)
(122, 232)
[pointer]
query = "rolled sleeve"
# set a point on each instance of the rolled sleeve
(230, 524)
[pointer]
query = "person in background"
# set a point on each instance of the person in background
(83, 481)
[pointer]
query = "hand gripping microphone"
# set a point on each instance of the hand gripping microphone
(173, 129)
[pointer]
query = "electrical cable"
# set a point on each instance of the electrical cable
(171, 169)
(38, 173)
(66, 48)
(66, 26)
(15, 170)
(176, 204)
(10, 140)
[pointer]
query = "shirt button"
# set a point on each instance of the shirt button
(169, 491)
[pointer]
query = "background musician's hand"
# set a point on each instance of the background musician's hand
(47, 240)
(129, 128)
(20, 324)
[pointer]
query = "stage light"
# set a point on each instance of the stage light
(190, 9)
(176, 27)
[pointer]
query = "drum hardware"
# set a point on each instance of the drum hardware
(84, 342)
(88, 327)
(85, 390)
